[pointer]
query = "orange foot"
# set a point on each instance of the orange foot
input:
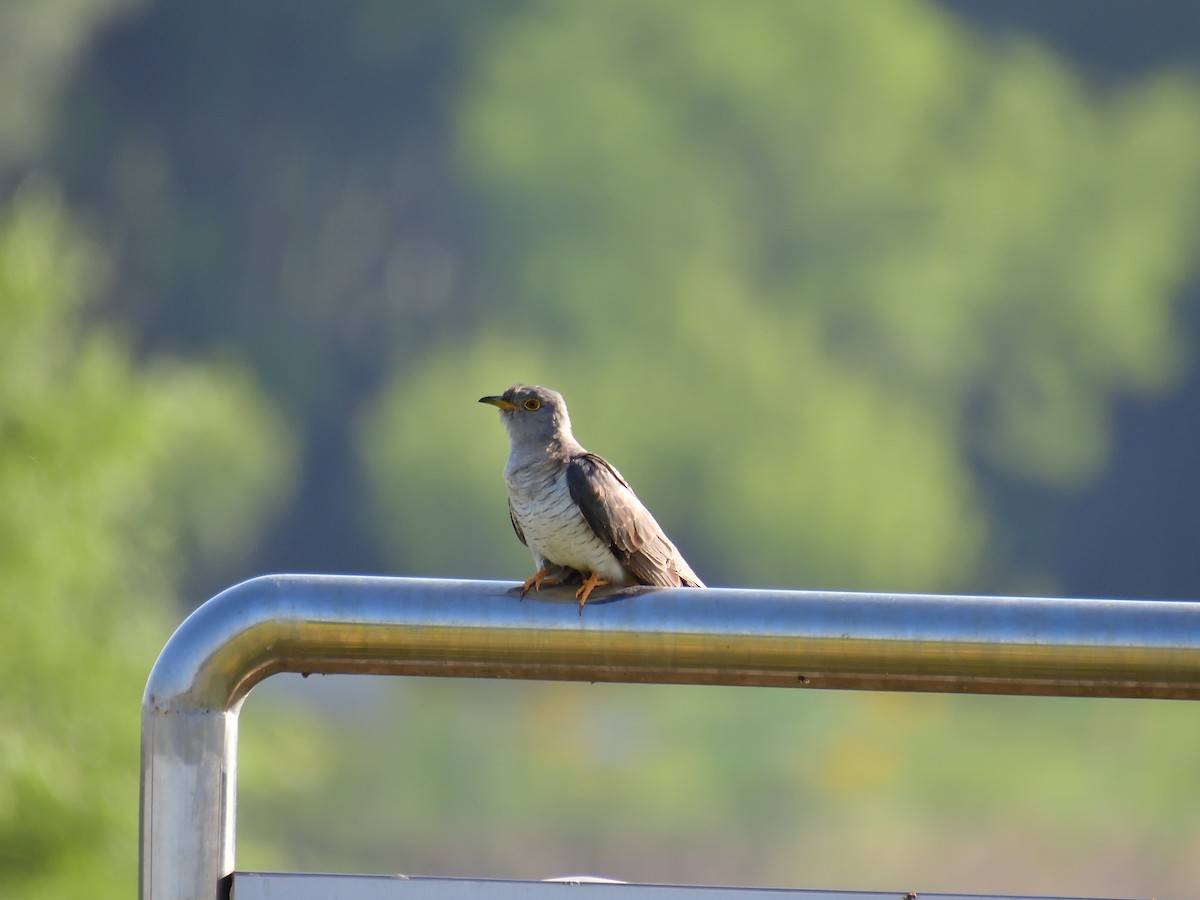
(536, 580)
(593, 582)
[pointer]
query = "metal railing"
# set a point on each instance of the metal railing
(405, 626)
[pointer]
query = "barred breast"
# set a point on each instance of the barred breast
(554, 528)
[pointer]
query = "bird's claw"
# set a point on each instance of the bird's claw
(593, 581)
(536, 580)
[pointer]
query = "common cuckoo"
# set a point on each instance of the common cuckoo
(572, 509)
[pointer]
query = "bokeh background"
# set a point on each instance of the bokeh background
(869, 296)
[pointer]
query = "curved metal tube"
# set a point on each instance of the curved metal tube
(406, 626)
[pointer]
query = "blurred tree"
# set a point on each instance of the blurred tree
(1132, 533)
(276, 180)
(1107, 39)
(112, 476)
(815, 294)
(284, 182)
(835, 272)
(39, 44)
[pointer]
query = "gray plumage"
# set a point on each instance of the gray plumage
(574, 510)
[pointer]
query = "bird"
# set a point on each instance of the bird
(574, 511)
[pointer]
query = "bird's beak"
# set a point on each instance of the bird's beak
(499, 402)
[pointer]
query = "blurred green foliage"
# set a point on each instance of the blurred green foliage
(39, 44)
(838, 286)
(1031, 796)
(113, 474)
(803, 291)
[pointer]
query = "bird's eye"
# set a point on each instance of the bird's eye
(532, 404)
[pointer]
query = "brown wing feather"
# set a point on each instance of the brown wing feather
(516, 525)
(617, 516)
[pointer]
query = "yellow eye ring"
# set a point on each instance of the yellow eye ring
(532, 404)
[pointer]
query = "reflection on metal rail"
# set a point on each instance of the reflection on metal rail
(406, 626)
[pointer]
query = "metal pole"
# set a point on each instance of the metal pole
(404, 626)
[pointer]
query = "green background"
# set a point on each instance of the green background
(858, 296)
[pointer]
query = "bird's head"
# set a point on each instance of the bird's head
(532, 414)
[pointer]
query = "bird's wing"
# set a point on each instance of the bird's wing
(619, 519)
(516, 525)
